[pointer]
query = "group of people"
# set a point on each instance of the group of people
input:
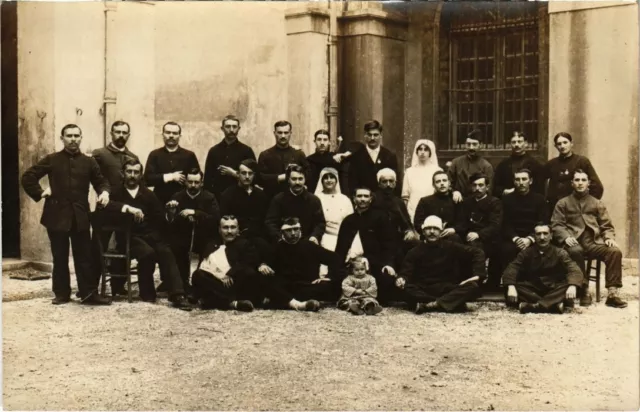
(288, 230)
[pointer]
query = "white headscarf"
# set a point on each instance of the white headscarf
(386, 172)
(325, 171)
(432, 161)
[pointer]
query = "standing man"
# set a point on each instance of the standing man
(148, 245)
(480, 222)
(223, 159)
(192, 216)
(581, 223)
(542, 276)
(560, 171)
(440, 204)
(166, 167)
(66, 213)
(274, 161)
(111, 157)
(464, 166)
(364, 165)
(324, 157)
(368, 232)
(522, 209)
(428, 275)
(503, 183)
(296, 202)
(246, 201)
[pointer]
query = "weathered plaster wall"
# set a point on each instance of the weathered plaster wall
(593, 94)
(214, 59)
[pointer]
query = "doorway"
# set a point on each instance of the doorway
(10, 173)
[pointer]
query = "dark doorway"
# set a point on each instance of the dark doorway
(10, 174)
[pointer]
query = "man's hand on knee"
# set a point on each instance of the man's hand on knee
(571, 292)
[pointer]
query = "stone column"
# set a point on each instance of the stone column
(372, 74)
(307, 42)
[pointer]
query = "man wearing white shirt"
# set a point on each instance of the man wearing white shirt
(364, 165)
(148, 245)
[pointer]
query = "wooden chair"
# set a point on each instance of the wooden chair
(595, 277)
(101, 224)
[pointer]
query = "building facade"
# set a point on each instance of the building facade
(424, 69)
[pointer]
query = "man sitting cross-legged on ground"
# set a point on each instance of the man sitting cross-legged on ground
(227, 277)
(430, 277)
(542, 276)
(296, 263)
(148, 245)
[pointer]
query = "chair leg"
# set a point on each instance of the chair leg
(598, 266)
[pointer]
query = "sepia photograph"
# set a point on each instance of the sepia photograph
(320, 205)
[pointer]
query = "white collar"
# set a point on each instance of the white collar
(193, 197)
(374, 153)
(172, 150)
(117, 148)
(483, 197)
(133, 192)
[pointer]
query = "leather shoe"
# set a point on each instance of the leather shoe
(585, 299)
(243, 306)
(558, 308)
(525, 307)
(180, 302)
(616, 302)
(95, 299)
(312, 305)
(60, 300)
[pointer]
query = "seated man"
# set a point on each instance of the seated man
(430, 277)
(521, 210)
(581, 224)
(542, 276)
(227, 277)
(192, 216)
(296, 263)
(440, 204)
(479, 224)
(147, 243)
(368, 232)
(386, 201)
(296, 202)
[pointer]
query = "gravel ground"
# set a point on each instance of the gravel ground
(152, 357)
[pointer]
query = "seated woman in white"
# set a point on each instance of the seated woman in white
(418, 178)
(335, 207)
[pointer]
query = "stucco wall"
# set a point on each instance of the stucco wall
(214, 59)
(593, 94)
(61, 79)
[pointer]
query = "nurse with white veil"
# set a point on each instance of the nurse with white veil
(418, 178)
(335, 207)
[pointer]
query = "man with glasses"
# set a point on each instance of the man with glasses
(166, 166)
(223, 159)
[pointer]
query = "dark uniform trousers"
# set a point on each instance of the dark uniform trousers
(247, 285)
(508, 253)
(611, 256)
(492, 252)
(183, 261)
(148, 250)
(544, 295)
(282, 291)
(387, 290)
(81, 248)
(449, 296)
